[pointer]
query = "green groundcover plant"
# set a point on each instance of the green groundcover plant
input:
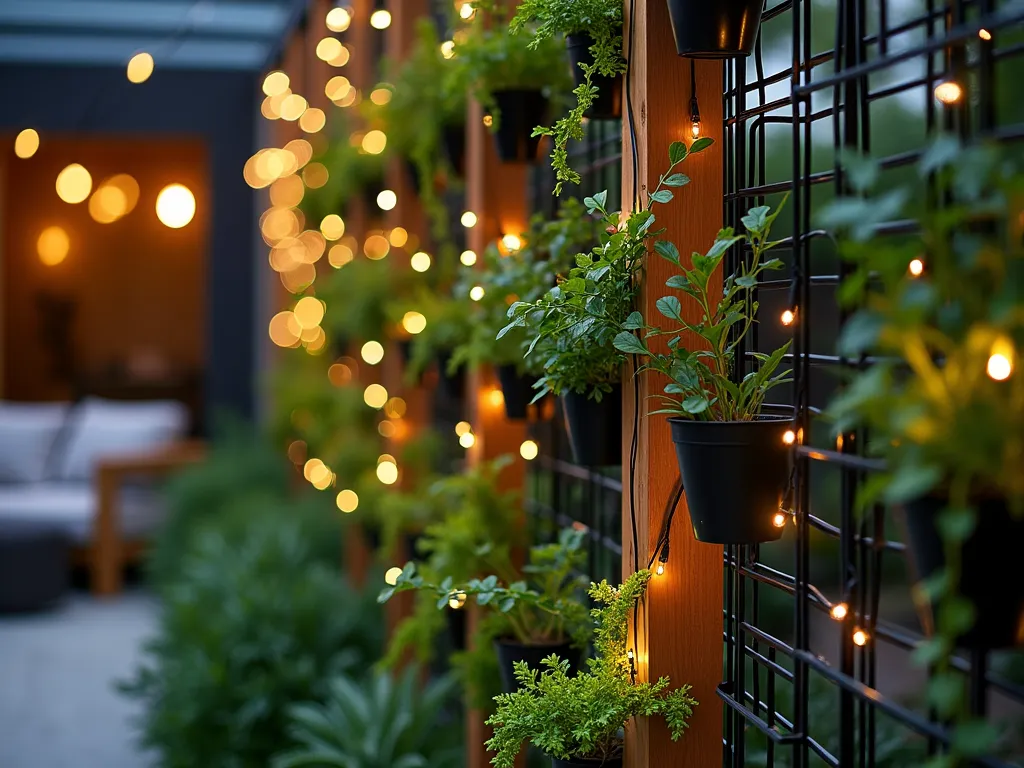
(601, 20)
(582, 717)
(574, 325)
(701, 382)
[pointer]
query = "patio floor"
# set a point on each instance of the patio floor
(58, 706)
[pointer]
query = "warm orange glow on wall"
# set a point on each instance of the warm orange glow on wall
(74, 184)
(53, 245)
(175, 206)
(26, 143)
(140, 67)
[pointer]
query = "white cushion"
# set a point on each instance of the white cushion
(27, 435)
(71, 508)
(100, 429)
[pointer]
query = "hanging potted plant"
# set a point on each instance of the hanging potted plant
(573, 326)
(715, 30)
(515, 84)
(546, 709)
(593, 36)
(944, 404)
(527, 620)
(717, 423)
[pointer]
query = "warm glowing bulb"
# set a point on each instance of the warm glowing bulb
(293, 107)
(529, 450)
(468, 258)
(839, 611)
(414, 322)
(26, 143)
(175, 206)
(380, 19)
(387, 472)
(276, 83)
(468, 219)
(695, 129)
(496, 398)
(374, 142)
(372, 352)
(448, 49)
(140, 67)
(73, 184)
(999, 367)
(660, 570)
(788, 316)
(391, 577)
(916, 268)
(984, 34)
(347, 501)
(512, 243)
(476, 292)
(309, 312)
(462, 428)
(456, 599)
(779, 520)
(398, 236)
(339, 19)
(467, 440)
(488, 121)
(789, 437)
(332, 227)
(53, 246)
(380, 96)
(467, 11)
(860, 637)
(375, 396)
(387, 199)
(420, 261)
(328, 49)
(949, 92)
(312, 120)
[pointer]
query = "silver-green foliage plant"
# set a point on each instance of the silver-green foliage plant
(574, 325)
(582, 717)
(381, 722)
(701, 382)
(601, 20)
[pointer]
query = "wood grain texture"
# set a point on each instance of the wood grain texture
(680, 633)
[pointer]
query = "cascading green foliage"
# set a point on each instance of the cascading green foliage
(601, 20)
(582, 717)
(942, 312)
(700, 381)
(574, 325)
(380, 722)
(365, 299)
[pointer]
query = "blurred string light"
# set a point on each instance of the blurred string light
(476, 292)
(53, 245)
(984, 34)
(860, 637)
(529, 450)
(466, 11)
(339, 19)
(787, 317)
(315, 175)
(140, 67)
(387, 471)
(395, 408)
(312, 120)
(1000, 361)
(276, 83)
(391, 577)
(462, 428)
(398, 237)
(380, 19)
(375, 396)
(372, 352)
(414, 322)
(387, 199)
(949, 92)
(73, 184)
(175, 206)
(285, 329)
(339, 255)
(376, 247)
(916, 268)
(26, 143)
(448, 49)
(468, 258)
(337, 87)
(293, 106)
(468, 219)
(309, 312)
(495, 398)
(287, 192)
(347, 501)
(420, 261)
(380, 96)
(332, 227)
(512, 243)
(839, 611)
(387, 429)
(467, 440)
(328, 49)
(339, 374)
(374, 142)
(789, 437)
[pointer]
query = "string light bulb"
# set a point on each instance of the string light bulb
(788, 316)
(380, 19)
(660, 570)
(476, 292)
(468, 258)
(391, 577)
(860, 637)
(779, 519)
(1000, 361)
(372, 352)
(949, 92)
(339, 19)
(420, 261)
(512, 242)
(468, 219)
(26, 143)
(789, 437)
(387, 200)
(414, 322)
(375, 396)
(468, 440)
(915, 268)
(387, 472)
(448, 49)
(695, 129)
(467, 11)
(839, 611)
(347, 501)
(529, 450)
(140, 67)
(462, 428)
(456, 599)
(985, 35)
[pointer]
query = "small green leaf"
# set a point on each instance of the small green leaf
(634, 322)
(662, 196)
(944, 151)
(677, 180)
(677, 152)
(385, 594)
(975, 737)
(630, 344)
(956, 525)
(701, 144)
(667, 250)
(746, 281)
(944, 692)
(695, 404)
(670, 307)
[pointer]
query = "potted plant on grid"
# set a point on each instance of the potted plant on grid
(578, 720)
(593, 36)
(527, 620)
(518, 274)
(715, 30)
(515, 84)
(941, 311)
(573, 326)
(717, 423)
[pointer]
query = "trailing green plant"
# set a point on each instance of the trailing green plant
(544, 610)
(582, 717)
(365, 300)
(574, 325)
(350, 169)
(942, 312)
(253, 623)
(379, 722)
(601, 20)
(448, 325)
(700, 380)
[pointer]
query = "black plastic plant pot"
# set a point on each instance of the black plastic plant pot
(517, 390)
(608, 104)
(594, 428)
(520, 112)
(456, 621)
(989, 576)
(720, 29)
(510, 652)
(734, 475)
(615, 762)
(451, 385)
(453, 137)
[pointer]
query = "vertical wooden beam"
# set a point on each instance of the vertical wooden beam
(680, 633)
(496, 193)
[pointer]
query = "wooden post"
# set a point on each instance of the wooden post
(681, 627)
(496, 193)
